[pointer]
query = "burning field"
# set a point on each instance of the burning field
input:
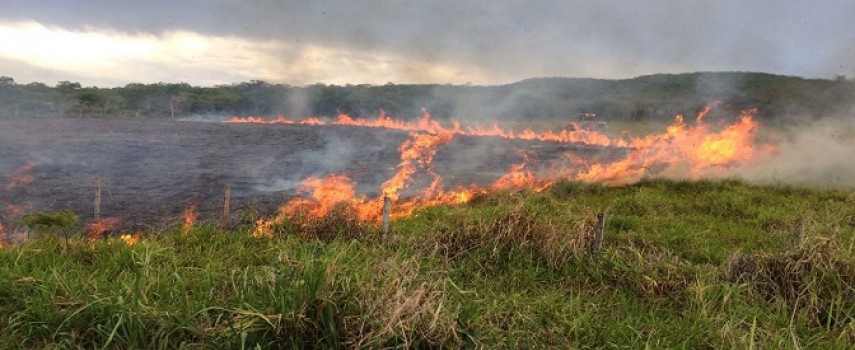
(154, 173)
(305, 262)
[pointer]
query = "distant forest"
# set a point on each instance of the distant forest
(644, 98)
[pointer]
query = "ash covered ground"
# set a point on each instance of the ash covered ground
(152, 170)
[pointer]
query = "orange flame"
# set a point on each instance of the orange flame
(189, 219)
(518, 177)
(96, 229)
(326, 193)
(418, 151)
(428, 125)
(703, 113)
(681, 150)
(131, 240)
(263, 229)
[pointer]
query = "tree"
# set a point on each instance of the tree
(67, 86)
(61, 221)
(4, 81)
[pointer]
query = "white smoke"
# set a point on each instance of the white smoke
(819, 153)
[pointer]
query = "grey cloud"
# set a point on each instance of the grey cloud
(510, 39)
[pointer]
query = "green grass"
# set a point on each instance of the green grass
(708, 264)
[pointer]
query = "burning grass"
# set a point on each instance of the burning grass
(684, 264)
(683, 150)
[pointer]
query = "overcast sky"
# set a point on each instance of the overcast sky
(205, 42)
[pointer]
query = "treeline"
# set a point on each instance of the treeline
(638, 99)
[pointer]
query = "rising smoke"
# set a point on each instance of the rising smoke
(815, 153)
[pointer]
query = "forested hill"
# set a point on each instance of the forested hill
(643, 98)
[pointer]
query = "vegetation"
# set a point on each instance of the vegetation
(645, 98)
(62, 221)
(709, 264)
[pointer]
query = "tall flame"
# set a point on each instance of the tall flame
(681, 151)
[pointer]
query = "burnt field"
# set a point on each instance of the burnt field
(152, 170)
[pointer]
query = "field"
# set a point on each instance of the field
(707, 264)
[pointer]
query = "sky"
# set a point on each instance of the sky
(209, 42)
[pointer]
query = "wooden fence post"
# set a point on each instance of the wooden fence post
(598, 233)
(97, 210)
(387, 214)
(226, 199)
(797, 236)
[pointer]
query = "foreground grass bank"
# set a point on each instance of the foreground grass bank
(684, 264)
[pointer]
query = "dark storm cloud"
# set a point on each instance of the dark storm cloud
(509, 39)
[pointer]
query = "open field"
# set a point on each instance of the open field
(708, 264)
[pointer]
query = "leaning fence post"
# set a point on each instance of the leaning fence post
(97, 210)
(387, 213)
(226, 199)
(598, 233)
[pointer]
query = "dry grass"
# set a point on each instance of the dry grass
(650, 271)
(815, 279)
(516, 230)
(406, 305)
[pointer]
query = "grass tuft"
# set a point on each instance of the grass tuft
(515, 231)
